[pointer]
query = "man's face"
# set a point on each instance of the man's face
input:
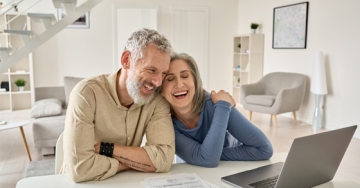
(147, 75)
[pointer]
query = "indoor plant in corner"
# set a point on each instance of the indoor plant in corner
(253, 27)
(20, 83)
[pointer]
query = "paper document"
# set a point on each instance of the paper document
(183, 180)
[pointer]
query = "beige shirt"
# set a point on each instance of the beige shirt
(95, 115)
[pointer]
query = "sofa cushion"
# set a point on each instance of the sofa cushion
(69, 84)
(263, 100)
(46, 107)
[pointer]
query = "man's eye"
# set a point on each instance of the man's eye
(151, 70)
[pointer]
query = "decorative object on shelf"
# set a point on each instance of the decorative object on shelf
(318, 87)
(5, 85)
(239, 45)
(290, 26)
(247, 51)
(20, 83)
(81, 23)
(253, 27)
(15, 6)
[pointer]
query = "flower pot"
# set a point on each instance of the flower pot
(253, 30)
(21, 88)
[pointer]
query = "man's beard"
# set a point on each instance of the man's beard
(133, 86)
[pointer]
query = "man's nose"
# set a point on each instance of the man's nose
(157, 81)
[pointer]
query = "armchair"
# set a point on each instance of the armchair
(275, 93)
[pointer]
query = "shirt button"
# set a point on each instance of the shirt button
(118, 106)
(128, 138)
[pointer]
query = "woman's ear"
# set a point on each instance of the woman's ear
(125, 59)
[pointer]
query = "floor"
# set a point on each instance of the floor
(13, 159)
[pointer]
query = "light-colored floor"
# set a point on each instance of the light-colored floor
(13, 159)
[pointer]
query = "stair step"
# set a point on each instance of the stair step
(46, 19)
(4, 49)
(21, 32)
(4, 52)
(40, 16)
(58, 3)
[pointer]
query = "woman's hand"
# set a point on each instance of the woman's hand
(223, 96)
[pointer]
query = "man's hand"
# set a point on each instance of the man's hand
(97, 148)
(222, 95)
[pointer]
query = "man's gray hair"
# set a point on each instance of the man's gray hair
(142, 38)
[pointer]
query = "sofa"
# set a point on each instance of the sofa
(48, 114)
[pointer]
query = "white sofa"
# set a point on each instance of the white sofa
(48, 114)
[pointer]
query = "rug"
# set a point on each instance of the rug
(40, 168)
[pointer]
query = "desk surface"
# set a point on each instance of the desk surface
(133, 178)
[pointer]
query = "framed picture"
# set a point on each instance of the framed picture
(83, 22)
(290, 26)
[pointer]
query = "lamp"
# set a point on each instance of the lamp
(318, 87)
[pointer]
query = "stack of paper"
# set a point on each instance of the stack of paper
(183, 180)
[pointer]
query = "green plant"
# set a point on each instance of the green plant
(20, 82)
(254, 25)
(239, 45)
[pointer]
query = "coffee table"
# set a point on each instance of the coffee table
(11, 124)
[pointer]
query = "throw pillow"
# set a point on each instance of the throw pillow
(46, 107)
(69, 84)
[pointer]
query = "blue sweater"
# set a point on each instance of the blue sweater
(222, 133)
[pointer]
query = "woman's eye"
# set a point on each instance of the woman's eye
(170, 78)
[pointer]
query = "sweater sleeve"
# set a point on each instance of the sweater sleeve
(254, 145)
(208, 152)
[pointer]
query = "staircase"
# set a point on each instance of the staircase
(10, 56)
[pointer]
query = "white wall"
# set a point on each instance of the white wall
(87, 52)
(333, 28)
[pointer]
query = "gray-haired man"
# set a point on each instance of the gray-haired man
(108, 115)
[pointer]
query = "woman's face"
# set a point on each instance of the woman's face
(178, 87)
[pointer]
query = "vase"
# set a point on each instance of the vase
(253, 30)
(21, 88)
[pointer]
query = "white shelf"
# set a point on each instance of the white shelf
(18, 73)
(251, 63)
(14, 99)
(20, 92)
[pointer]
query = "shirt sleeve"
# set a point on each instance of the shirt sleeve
(208, 152)
(252, 142)
(160, 145)
(80, 160)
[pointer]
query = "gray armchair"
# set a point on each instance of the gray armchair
(275, 93)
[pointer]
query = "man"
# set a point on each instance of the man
(108, 115)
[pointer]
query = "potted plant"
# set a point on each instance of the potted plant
(20, 83)
(253, 27)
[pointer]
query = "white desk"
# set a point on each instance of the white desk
(11, 124)
(133, 178)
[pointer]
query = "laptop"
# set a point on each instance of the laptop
(311, 161)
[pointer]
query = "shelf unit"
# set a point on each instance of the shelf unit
(14, 99)
(247, 61)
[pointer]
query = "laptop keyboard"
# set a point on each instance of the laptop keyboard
(270, 182)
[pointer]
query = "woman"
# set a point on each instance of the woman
(207, 127)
